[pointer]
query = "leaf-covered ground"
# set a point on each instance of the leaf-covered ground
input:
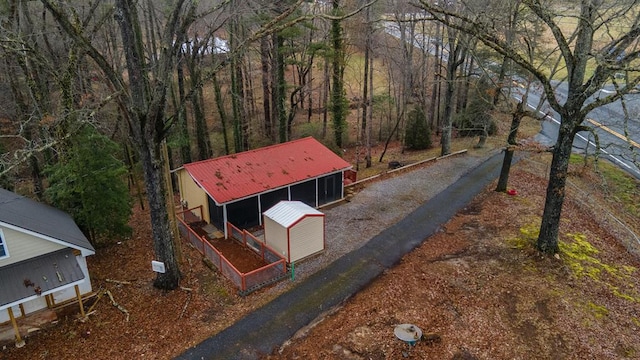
(477, 289)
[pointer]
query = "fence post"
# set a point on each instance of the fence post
(293, 271)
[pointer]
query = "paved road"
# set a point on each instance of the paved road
(619, 138)
(265, 329)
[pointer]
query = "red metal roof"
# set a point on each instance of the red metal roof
(240, 175)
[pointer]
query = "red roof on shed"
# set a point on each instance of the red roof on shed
(240, 175)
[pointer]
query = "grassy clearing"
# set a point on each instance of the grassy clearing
(621, 188)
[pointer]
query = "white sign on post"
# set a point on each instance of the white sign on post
(157, 266)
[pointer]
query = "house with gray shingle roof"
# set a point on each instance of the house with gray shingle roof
(42, 257)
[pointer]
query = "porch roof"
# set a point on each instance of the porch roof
(38, 276)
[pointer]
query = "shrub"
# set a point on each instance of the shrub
(417, 133)
(89, 183)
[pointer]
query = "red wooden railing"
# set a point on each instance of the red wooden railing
(246, 282)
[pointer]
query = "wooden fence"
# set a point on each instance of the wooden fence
(275, 270)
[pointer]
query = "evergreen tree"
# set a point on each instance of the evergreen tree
(89, 183)
(418, 133)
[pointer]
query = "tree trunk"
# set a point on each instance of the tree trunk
(501, 75)
(36, 177)
(144, 113)
(467, 71)
(549, 229)
(185, 148)
(370, 115)
(338, 101)
(202, 133)
(266, 89)
(293, 110)
(163, 245)
(455, 59)
(514, 11)
(133, 179)
(237, 123)
(237, 89)
(279, 86)
(309, 90)
(325, 98)
(434, 108)
(223, 114)
(445, 139)
(250, 99)
(365, 88)
(508, 153)
(386, 143)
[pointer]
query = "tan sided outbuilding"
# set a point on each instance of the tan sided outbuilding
(294, 229)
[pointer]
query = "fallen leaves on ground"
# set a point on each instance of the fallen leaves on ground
(480, 290)
(477, 289)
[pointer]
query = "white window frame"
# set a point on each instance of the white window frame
(3, 245)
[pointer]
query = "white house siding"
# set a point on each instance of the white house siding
(32, 306)
(23, 246)
(276, 237)
(193, 194)
(306, 237)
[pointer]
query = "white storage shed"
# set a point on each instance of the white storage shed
(294, 229)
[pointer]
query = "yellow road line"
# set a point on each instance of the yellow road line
(614, 133)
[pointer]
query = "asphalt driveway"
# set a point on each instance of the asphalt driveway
(265, 329)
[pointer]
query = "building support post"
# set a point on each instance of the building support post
(77, 288)
(19, 341)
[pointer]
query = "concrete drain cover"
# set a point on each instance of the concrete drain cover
(408, 333)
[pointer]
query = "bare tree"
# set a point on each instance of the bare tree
(141, 99)
(578, 49)
(136, 69)
(456, 47)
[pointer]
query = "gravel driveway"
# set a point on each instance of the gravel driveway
(381, 203)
